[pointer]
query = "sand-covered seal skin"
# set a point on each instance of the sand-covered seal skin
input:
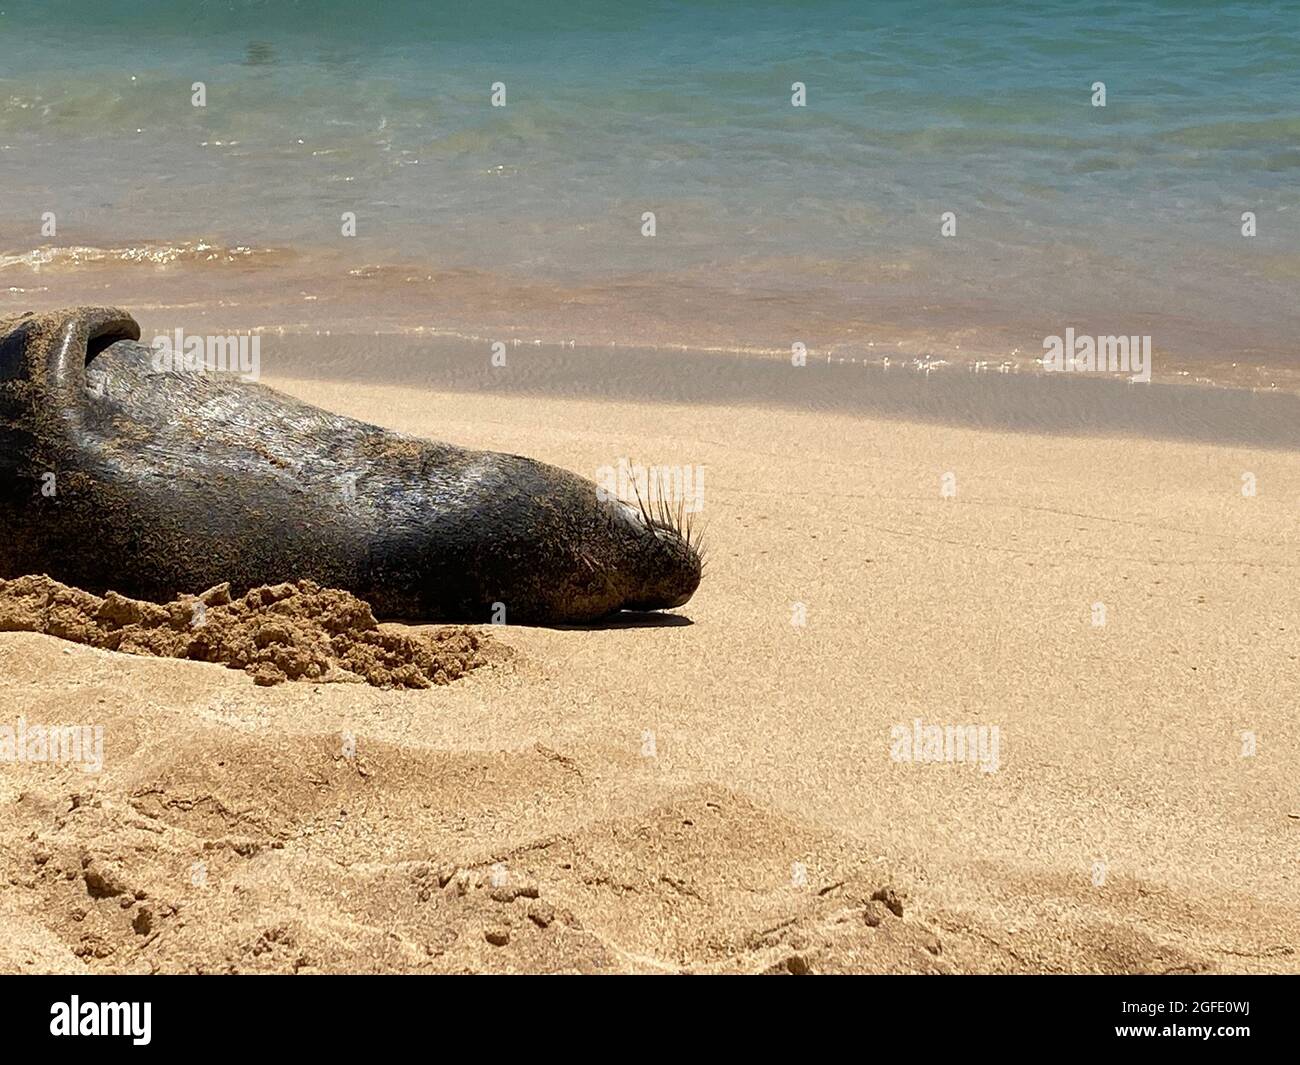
(151, 483)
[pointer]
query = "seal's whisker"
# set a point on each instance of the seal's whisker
(699, 546)
(641, 503)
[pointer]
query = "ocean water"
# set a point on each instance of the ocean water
(773, 223)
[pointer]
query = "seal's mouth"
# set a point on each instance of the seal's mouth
(659, 604)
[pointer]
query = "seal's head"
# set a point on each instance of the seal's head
(576, 553)
(482, 536)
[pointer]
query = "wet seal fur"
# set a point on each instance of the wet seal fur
(115, 475)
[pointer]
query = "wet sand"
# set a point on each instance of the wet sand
(719, 789)
(918, 389)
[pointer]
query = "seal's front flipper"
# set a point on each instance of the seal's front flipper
(52, 350)
(105, 326)
(76, 337)
(43, 356)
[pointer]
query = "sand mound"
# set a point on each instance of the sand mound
(281, 632)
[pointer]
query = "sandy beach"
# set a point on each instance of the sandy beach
(723, 789)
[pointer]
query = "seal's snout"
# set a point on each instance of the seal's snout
(663, 565)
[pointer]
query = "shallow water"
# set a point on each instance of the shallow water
(773, 222)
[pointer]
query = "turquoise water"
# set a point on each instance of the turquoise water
(1126, 217)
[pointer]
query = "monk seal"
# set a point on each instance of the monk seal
(115, 475)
